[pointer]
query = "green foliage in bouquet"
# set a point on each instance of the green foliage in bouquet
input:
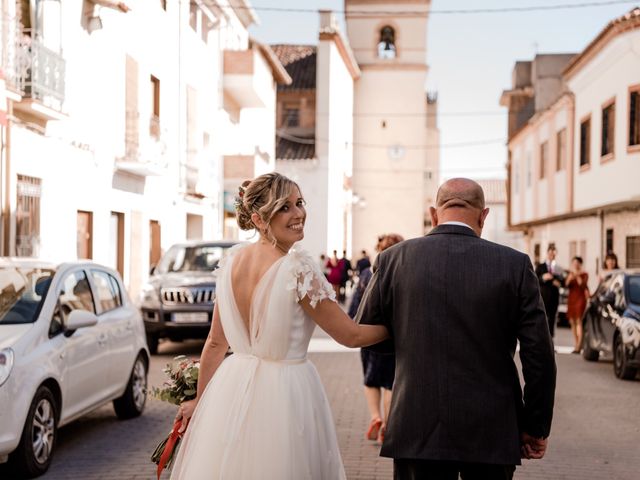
(182, 381)
(181, 385)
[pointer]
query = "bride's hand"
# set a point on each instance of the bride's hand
(185, 411)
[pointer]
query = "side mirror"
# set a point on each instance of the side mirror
(80, 319)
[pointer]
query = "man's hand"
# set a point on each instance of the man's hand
(547, 276)
(531, 447)
(185, 410)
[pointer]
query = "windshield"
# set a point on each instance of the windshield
(201, 258)
(22, 292)
(634, 289)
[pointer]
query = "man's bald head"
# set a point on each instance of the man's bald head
(460, 193)
(460, 200)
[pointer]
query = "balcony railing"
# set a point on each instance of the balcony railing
(16, 57)
(144, 154)
(45, 79)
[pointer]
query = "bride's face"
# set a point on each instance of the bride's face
(287, 225)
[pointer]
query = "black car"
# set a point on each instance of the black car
(612, 323)
(177, 302)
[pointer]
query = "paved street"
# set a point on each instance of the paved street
(595, 433)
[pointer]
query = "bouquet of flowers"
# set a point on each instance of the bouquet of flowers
(181, 385)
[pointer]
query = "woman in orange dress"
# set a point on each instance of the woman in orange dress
(576, 282)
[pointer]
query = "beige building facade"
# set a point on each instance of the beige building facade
(574, 155)
(395, 146)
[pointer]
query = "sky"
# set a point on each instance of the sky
(470, 58)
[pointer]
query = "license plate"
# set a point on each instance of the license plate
(191, 317)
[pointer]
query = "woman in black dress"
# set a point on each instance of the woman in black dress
(378, 368)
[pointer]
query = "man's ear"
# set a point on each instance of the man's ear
(433, 213)
(483, 217)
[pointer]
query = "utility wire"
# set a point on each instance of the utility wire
(458, 11)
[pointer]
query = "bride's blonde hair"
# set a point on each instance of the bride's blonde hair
(264, 195)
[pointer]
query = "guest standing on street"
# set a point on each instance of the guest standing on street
(363, 262)
(455, 307)
(550, 278)
(610, 264)
(378, 368)
(334, 275)
(577, 283)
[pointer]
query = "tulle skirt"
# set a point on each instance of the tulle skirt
(261, 420)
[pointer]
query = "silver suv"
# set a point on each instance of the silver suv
(177, 302)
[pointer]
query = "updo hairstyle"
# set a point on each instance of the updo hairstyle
(387, 240)
(264, 195)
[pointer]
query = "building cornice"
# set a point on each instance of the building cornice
(346, 54)
(421, 67)
(625, 23)
(589, 212)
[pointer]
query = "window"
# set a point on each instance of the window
(583, 250)
(585, 142)
(573, 248)
(634, 117)
(529, 167)
(292, 117)
(544, 154)
(608, 129)
(387, 43)
(75, 295)
(109, 295)
(84, 236)
(28, 216)
(633, 252)
(609, 241)
(536, 254)
(561, 149)
(154, 123)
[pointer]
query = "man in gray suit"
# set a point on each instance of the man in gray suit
(455, 307)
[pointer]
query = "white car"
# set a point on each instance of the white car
(70, 341)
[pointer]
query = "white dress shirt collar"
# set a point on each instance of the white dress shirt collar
(462, 224)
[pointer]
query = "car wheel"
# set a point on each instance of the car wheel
(131, 403)
(35, 450)
(152, 343)
(620, 363)
(588, 353)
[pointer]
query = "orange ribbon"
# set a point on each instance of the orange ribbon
(174, 436)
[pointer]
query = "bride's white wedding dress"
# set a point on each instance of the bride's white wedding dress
(264, 414)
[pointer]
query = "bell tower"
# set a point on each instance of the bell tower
(396, 138)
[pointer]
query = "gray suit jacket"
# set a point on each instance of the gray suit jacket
(455, 306)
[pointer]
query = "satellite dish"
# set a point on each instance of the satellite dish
(396, 152)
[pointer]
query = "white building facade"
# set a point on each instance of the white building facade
(114, 149)
(574, 164)
(324, 174)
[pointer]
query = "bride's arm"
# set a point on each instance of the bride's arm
(213, 353)
(333, 320)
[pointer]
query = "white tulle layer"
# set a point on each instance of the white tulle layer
(261, 420)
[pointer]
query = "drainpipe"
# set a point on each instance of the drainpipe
(6, 183)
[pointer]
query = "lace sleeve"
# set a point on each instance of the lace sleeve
(308, 281)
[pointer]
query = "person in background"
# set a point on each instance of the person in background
(378, 368)
(345, 272)
(610, 264)
(322, 263)
(550, 278)
(363, 262)
(334, 275)
(576, 282)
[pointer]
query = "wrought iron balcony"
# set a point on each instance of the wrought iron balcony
(144, 153)
(46, 75)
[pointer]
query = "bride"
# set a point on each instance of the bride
(262, 413)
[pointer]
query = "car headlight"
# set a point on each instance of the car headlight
(6, 364)
(149, 296)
